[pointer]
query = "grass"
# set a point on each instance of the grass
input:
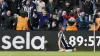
(34, 53)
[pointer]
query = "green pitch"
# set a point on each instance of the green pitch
(32, 53)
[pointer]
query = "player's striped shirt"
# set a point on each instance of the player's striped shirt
(63, 39)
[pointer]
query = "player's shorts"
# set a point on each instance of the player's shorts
(68, 46)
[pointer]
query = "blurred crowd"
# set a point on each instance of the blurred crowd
(73, 15)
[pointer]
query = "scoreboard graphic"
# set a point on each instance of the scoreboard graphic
(47, 40)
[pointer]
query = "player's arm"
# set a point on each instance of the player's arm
(59, 44)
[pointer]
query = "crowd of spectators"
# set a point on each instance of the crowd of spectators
(50, 14)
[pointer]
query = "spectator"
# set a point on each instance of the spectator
(67, 9)
(93, 27)
(78, 11)
(44, 19)
(96, 14)
(51, 7)
(32, 15)
(60, 17)
(82, 21)
(60, 3)
(35, 21)
(88, 8)
(72, 14)
(54, 22)
(74, 3)
(31, 2)
(7, 21)
(14, 6)
(40, 4)
(7, 1)
(64, 8)
(81, 4)
(98, 3)
(29, 9)
(46, 1)
(60, 8)
(3, 5)
(22, 21)
(94, 5)
(71, 26)
(98, 21)
(0, 17)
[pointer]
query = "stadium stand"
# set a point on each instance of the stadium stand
(48, 14)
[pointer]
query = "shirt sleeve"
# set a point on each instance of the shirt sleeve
(60, 35)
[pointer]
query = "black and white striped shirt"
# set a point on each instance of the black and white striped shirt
(63, 39)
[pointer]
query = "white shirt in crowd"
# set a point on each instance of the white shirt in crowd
(40, 5)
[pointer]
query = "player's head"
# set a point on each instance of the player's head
(61, 28)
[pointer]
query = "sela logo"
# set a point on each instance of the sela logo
(19, 41)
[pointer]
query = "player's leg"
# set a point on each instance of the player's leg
(69, 48)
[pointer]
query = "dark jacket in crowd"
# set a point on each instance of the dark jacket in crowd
(0, 21)
(60, 3)
(83, 0)
(98, 4)
(4, 6)
(14, 6)
(46, 1)
(67, 9)
(88, 8)
(56, 22)
(82, 22)
(7, 22)
(74, 2)
(51, 8)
